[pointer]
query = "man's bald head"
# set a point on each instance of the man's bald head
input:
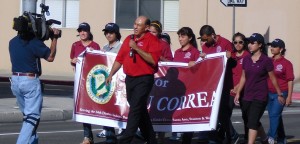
(141, 26)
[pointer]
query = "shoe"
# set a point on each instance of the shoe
(120, 132)
(101, 134)
(270, 140)
(139, 135)
(175, 137)
(87, 140)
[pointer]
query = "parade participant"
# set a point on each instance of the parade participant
(213, 43)
(283, 70)
(113, 36)
(257, 67)
(86, 41)
(25, 51)
(188, 53)
(156, 29)
(139, 56)
(240, 51)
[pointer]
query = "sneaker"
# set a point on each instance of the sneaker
(101, 134)
(87, 140)
(271, 140)
(139, 135)
(120, 132)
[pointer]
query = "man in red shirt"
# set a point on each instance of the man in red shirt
(139, 55)
(213, 43)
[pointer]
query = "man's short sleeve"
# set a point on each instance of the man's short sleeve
(40, 49)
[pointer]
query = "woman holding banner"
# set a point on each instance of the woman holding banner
(86, 41)
(257, 67)
(188, 53)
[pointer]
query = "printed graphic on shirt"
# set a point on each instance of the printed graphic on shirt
(241, 61)
(96, 88)
(140, 44)
(219, 48)
(188, 55)
(279, 68)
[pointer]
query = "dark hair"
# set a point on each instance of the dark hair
(147, 22)
(157, 26)
(189, 32)
(283, 51)
(166, 37)
(91, 37)
(118, 35)
(207, 30)
(245, 45)
(263, 47)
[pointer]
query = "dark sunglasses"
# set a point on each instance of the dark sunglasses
(253, 42)
(204, 40)
(238, 42)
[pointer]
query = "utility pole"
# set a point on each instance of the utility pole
(29, 6)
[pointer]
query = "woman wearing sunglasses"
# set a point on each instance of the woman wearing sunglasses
(240, 46)
(257, 68)
(283, 70)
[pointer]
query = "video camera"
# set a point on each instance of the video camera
(36, 24)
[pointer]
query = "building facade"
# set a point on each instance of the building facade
(272, 18)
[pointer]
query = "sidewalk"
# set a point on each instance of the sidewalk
(54, 109)
(59, 108)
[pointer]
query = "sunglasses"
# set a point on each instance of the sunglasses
(204, 40)
(238, 42)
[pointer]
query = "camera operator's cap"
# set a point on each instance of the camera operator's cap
(256, 37)
(111, 27)
(84, 26)
(277, 43)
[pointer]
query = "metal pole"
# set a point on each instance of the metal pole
(207, 12)
(233, 21)
(29, 6)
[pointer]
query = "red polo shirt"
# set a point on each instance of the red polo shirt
(78, 48)
(166, 50)
(238, 67)
(191, 54)
(221, 45)
(147, 43)
(283, 70)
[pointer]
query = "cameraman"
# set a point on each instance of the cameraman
(25, 52)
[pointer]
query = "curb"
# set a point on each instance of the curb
(47, 115)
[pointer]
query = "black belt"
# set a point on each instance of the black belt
(24, 74)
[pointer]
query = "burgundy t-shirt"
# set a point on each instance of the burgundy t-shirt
(166, 50)
(221, 45)
(283, 70)
(256, 73)
(191, 54)
(238, 68)
(78, 48)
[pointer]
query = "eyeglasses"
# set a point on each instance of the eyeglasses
(204, 40)
(238, 42)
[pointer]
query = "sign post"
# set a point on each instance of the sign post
(234, 3)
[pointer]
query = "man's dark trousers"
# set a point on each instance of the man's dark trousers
(138, 89)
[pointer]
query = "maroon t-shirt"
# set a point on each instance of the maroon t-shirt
(256, 74)
(148, 43)
(283, 70)
(191, 54)
(78, 48)
(221, 45)
(166, 50)
(238, 67)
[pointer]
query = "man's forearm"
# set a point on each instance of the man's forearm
(52, 50)
(146, 56)
(116, 66)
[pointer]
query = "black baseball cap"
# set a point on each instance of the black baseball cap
(84, 26)
(256, 37)
(277, 43)
(111, 27)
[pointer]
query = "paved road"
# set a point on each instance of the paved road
(69, 132)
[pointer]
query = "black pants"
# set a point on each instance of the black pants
(138, 89)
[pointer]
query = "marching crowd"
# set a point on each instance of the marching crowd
(253, 81)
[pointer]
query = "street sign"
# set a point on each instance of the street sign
(236, 3)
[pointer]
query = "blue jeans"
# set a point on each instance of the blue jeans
(29, 97)
(275, 116)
